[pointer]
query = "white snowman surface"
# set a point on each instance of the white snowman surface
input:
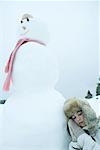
(33, 117)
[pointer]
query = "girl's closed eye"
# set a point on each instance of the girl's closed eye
(79, 113)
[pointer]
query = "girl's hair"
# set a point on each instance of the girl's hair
(68, 130)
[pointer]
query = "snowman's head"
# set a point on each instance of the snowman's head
(31, 27)
(25, 24)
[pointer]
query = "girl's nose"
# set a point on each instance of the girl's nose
(78, 118)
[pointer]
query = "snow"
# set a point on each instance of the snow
(95, 104)
(33, 117)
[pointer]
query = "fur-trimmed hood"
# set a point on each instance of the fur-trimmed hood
(73, 105)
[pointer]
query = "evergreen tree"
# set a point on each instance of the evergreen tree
(89, 95)
(2, 101)
(98, 88)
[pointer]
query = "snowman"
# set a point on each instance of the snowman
(33, 116)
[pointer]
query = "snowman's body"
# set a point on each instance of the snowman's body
(33, 116)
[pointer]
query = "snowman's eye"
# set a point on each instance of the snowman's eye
(21, 21)
(27, 19)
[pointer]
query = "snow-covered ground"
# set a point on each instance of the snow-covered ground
(95, 104)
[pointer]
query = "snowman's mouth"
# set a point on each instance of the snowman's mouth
(25, 32)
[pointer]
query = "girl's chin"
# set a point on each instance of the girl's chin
(82, 125)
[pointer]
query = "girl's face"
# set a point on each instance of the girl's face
(79, 118)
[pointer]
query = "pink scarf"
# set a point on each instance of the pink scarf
(9, 66)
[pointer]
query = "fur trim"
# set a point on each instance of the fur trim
(73, 105)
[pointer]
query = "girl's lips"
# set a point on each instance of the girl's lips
(81, 122)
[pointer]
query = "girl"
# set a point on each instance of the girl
(82, 125)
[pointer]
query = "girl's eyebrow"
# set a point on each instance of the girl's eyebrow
(79, 111)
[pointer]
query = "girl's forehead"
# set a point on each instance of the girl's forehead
(75, 113)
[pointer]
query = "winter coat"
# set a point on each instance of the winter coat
(90, 140)
(86, 142)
